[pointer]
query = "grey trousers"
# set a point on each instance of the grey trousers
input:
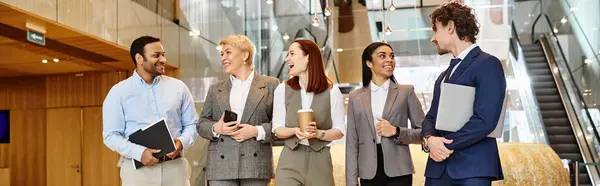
(240, 182)
(304, 167)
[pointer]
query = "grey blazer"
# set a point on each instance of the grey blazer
(227, 158)
(361, 149)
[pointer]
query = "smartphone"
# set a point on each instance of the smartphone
(229, 117)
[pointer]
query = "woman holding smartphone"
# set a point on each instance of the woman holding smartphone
(239, 153)
(378, 132)
(305, 158)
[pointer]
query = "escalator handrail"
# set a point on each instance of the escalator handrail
(586, 146)
(578, 91)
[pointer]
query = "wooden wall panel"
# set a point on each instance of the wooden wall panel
(84, 89)
(4, 176)
(63, 146)
(22, 93)
(4, 156)
(4, 94)
(99, 162)
(28, 147)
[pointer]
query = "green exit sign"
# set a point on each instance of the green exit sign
(36, 37)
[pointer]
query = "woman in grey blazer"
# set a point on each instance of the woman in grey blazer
(239, 153)
(378, 132)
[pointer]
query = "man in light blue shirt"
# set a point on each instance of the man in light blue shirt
(140, 100)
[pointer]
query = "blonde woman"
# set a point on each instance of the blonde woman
(239, 153)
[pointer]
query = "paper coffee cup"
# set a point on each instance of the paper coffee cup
(305, 116)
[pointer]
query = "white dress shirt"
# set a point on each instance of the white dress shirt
(378, 98)
(336, 102)
(237, 100)
(462, 56)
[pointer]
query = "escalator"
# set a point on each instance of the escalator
(558, 127)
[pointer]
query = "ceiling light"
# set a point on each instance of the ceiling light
(269, 2)
(315, 21)
(327, 11)
(286, 37)
(55, 60)
(44, 61)
(388, 30)
(375, 1)
(563, 20)
(392, 7)
(219, 48)
(588, 61)
(275, 28)
(555, 30)
(339, 50)
(526, 23)
(191, 33)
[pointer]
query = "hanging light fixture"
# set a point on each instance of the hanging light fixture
(392, 7)
(327, 11)
(315, 21)
(286, 37)
(388, 30)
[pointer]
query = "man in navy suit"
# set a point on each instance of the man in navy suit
(467, 156)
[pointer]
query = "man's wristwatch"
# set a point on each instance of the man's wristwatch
(424, 143)
(322, 136)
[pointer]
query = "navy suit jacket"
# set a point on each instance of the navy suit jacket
(475, 154)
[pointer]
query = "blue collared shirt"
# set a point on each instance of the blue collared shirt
(133, 104)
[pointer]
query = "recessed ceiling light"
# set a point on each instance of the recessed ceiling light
(56, 60)
(44, 61)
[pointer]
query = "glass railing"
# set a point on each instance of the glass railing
(578, 76)
(523, 121)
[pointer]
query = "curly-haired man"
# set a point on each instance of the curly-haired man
(467, 156)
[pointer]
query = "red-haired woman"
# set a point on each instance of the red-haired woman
(305, 159)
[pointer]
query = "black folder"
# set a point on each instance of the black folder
(155, 136)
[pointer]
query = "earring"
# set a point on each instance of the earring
(244, 62)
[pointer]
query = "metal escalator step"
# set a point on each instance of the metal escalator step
(534, 54)
(571, 156)
(567, 148)
(531, 47)
(562, 139)
(554, 114)
(584, 178)
(548, 98)
(542, 78)
(537, 65)
(544, 71)
(543, 84)
(535, 60)
(559, 130)
(556, 122)
(551, 106)
(583, 169)
(545, 91)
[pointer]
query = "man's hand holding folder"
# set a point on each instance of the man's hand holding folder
(148, 159)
